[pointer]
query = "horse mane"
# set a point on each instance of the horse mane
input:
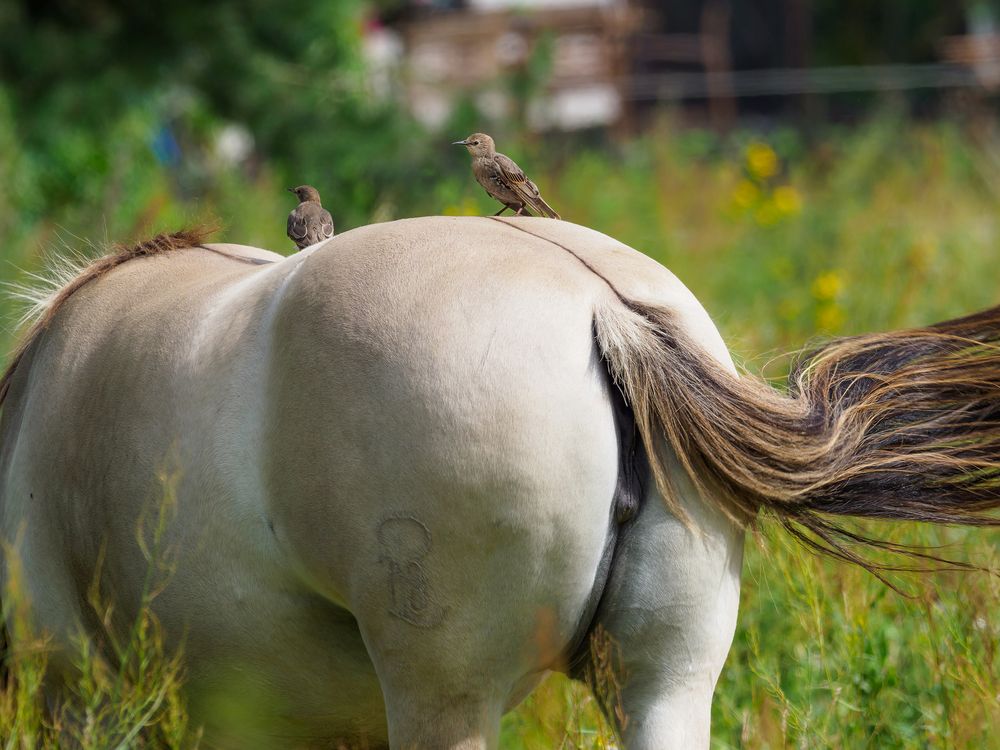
(47, 297)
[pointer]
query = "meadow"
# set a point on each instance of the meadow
(786, 240)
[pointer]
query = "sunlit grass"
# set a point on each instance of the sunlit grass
(123, 691)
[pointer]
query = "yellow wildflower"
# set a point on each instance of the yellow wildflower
(745, 194)
(787, 199)
(830, 318)
(827, 285)
(761, 160)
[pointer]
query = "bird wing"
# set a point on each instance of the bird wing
(525, 189)
(325, 224)
(297, 227)
(515, 179)
(308, 224)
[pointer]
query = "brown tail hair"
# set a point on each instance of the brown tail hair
(901, 425)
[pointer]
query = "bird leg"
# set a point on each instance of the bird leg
(501, 210)
(520, 210)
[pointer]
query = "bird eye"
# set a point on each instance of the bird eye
(475, 143)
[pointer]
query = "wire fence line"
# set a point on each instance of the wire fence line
(793, 81)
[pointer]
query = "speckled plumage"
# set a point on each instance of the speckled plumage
(309, 222)
(503, 179)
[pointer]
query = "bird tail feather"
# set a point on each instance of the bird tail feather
(544, 208)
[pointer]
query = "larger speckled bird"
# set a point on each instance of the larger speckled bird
(309, 222)
(503, 179)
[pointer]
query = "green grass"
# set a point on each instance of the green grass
(124, 691)
(891, 225)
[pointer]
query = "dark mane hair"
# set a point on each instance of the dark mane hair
(158, 245)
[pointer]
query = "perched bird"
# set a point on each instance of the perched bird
(309, 222)
(502, 178)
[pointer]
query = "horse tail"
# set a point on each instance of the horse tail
(901, 425)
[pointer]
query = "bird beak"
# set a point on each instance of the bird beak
(460, 143)
(290, 190)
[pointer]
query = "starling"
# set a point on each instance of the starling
(309, 222)
(502, 178)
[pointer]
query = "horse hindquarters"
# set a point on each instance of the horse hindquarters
(465, 595)
(458, 511)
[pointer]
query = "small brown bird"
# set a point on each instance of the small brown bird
(309, 222)
(502, 178)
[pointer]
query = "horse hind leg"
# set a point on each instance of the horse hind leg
(427, 642)
(466, 723)
(668, 614)
(452, 640)
(433, 700)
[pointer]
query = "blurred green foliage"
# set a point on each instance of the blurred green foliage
(89, 87)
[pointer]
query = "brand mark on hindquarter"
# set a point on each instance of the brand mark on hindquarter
(405, 542)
